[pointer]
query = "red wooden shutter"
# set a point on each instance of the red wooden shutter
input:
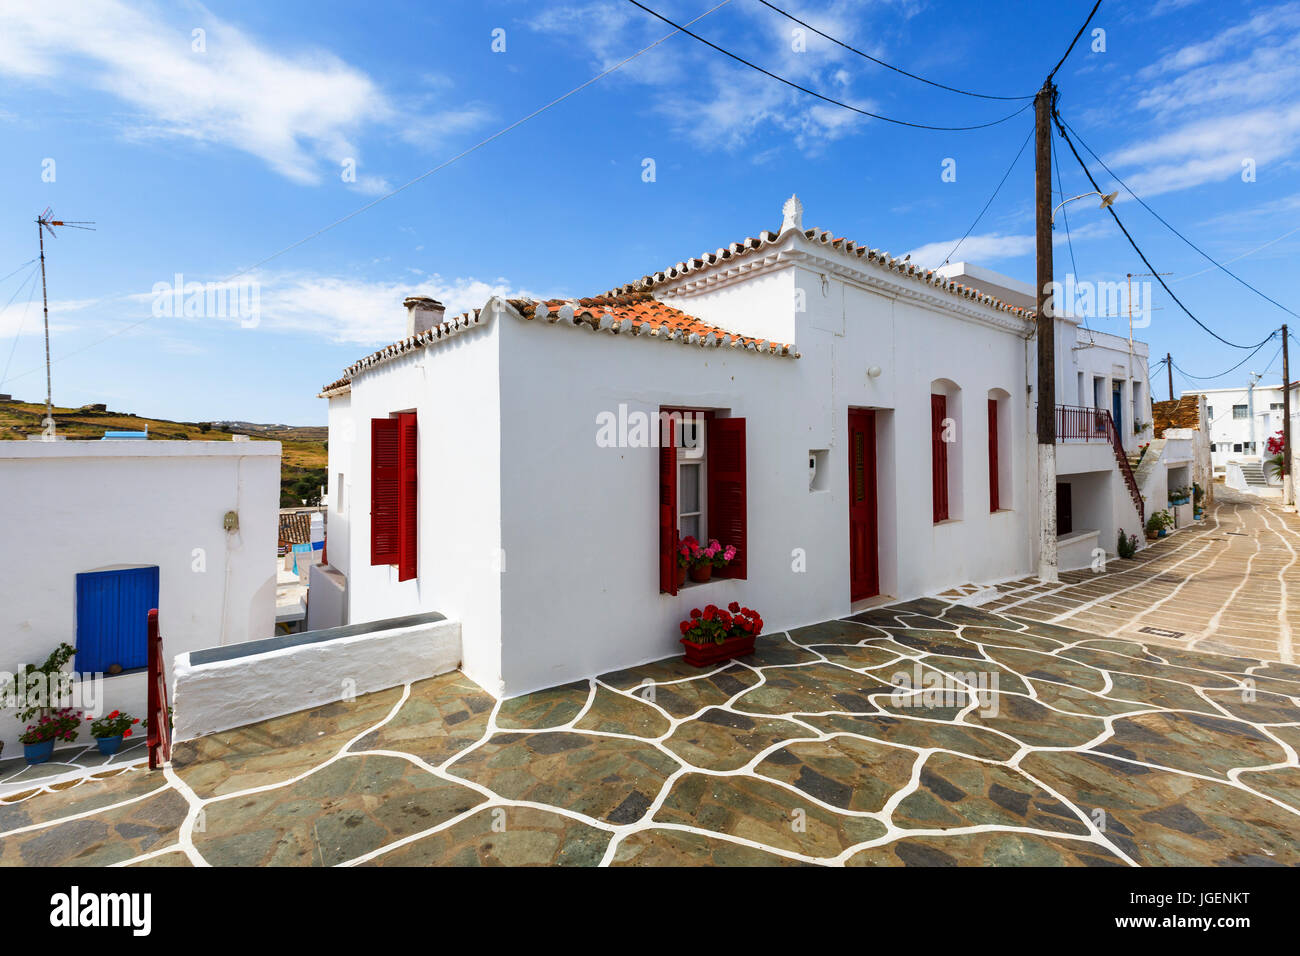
(668, 509)
(939, 457)
(384, 493)
(993, 455)
(725, 438)
(407, 496)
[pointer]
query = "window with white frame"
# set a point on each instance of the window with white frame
(1239, 411)
(692, 479)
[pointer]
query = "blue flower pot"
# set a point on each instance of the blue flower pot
(108, 745)
(1164, 533)
(38, 753)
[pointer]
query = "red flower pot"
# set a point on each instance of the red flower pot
(701, 573)
(705, 655)
(681, 575)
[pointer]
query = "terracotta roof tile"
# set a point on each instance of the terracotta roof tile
(633, 313)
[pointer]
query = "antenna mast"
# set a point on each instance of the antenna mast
(43, 221)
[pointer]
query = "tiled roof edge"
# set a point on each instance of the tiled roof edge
(594, 314)
(846, 247)
(474, 318)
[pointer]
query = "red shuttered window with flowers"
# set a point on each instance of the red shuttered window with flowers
(703, 495)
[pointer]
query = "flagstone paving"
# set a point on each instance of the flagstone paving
(1222, 585)
(919, 734)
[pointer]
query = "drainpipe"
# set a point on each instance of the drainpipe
(1250, 407)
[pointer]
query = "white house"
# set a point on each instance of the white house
(858, 427)
(1241, 421)
(95, 533)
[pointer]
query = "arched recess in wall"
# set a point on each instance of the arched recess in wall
(947, 452)
(1001, 489)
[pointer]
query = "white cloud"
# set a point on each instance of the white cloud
(1209, 150)
(1217, 102)
(716, 103)
(345, 311)
(994, 246)
(979, 249)
(364, 313)
(301, 112)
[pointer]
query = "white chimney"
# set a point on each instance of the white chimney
(422, 314)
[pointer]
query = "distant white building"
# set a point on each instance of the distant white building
(98, 532)
(865, 431)
(1241, 421)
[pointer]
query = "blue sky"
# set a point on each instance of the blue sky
(204, 162)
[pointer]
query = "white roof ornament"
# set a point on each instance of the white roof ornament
(792, 214)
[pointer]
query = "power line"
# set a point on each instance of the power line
(1167, 225)
(18, 270)
(408, 184)
(888, 66)
(991, 198)
(1251, 252)
(1207, 378)
(1152, 269)
(820, 96)
(1070, 48)
(1065, 218)
(31, 278)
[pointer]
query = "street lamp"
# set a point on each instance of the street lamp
(1107, 200)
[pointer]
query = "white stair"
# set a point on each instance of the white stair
(1253, 472)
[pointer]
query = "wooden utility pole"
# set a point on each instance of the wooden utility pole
(1288, 484)
(1169, 367)
(1044, 105)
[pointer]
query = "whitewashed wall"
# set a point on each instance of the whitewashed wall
(453, 388)
(1102, 355)
(1225, 431)
(76, 506)
(545, 546)
(579, 522)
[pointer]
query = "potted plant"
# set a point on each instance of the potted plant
(713, 634)
(54, 683)
(688, 550)
(1159, 523)
(38, 739)
(110, 730)
(1127, 545)
(710, 556)
(1198, 499)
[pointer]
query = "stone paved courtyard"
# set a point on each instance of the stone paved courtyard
(1222, 584)
(1092, 752)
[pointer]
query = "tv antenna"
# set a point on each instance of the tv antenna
(46, 222)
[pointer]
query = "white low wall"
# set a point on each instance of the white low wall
(1075, 551)
(232, 691)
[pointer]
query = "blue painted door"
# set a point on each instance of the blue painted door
(113, 617)
(1117, 409)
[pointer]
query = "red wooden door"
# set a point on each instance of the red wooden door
(864, 559)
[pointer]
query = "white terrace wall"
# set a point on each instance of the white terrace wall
(579, 522)
(69, 507)
(1103, 360)
(453, 388)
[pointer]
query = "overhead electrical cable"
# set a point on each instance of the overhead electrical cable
(1170, 227)
(889, 66)
(406, 185)
(998, 189)
(1150, 268)
(821, 96)
(18, 331)
(1207, 378)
